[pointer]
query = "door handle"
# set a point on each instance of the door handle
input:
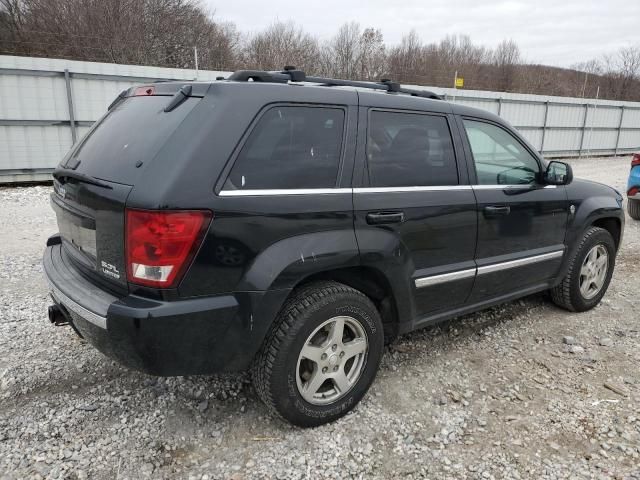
(497, 210)
(383, 218)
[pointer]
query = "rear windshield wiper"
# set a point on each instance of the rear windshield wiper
(63, 175)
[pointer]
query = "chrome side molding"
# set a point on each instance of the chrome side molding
(495, 267)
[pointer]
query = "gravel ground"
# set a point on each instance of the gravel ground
(523, 390)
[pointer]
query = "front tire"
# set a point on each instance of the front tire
(633, 208)
(321, 355)
(589, 272)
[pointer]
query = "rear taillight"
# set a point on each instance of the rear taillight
(633, 191)
(161, 244)
(635, 160)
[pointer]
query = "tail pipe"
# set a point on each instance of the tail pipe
(56, 316)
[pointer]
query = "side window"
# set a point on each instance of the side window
(290, 147)
(499, 157)
(407, 149)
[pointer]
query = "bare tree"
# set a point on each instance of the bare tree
(342, 53)
(372, 58)
(405, 60)
(281, 44)
(165, 32)
(506, 58)
(153, 32)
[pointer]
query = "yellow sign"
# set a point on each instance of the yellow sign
(459, 82)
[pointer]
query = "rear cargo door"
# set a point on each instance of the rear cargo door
(91, 223)
(94, 180)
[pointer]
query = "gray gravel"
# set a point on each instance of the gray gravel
(499, 394)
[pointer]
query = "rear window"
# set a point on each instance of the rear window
(290, 148)
(134, 130)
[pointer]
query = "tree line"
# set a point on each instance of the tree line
(166, 32)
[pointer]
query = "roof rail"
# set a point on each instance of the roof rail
(291, 74)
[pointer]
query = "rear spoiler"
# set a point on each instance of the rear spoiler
(179, 90)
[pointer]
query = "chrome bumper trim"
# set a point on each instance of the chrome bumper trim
(76, 308)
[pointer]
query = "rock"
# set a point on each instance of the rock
(567, 340)
(203, 405)
(554, 446)
(401, 348)
(575, 349)
(90, 407)
(616, 388)
(605, 342)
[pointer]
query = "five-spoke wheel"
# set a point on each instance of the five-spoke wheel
(594, 271)
(331, 360)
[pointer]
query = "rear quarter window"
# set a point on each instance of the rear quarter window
(290, 147)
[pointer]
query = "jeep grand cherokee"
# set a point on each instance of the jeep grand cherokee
(292, 225)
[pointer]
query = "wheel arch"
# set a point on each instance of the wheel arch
(611, 224)
(375, 285)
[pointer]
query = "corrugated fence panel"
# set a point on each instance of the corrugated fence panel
(92, 97)
(33, 147)
(557, 141)
(523, 114)
(629, 140)
(36, 131)
(604, 117)
(486, 104)
(533, 135)
(32, 98)
(600, 139)
(566, 115)
(631, 118)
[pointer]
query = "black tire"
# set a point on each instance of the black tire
(567, 294)
(275, 370)
(633, 207)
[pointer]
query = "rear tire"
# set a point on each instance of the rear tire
(586, 282)
(633, 207)
(307, 392)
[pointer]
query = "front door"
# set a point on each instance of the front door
(521, 223)
(415, 207)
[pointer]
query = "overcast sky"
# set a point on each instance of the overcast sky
(554, 32)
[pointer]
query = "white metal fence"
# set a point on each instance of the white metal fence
(46, 105)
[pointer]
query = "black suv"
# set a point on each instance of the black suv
(293, 225)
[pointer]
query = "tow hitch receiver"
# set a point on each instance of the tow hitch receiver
(56, 316)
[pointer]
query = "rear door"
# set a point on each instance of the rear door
(93, 181)
(414, 210)
(521, 223)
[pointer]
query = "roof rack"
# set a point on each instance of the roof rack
(291, 74)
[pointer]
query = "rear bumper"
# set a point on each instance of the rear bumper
(187, 337)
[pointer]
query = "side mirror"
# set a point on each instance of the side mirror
(558, 173)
